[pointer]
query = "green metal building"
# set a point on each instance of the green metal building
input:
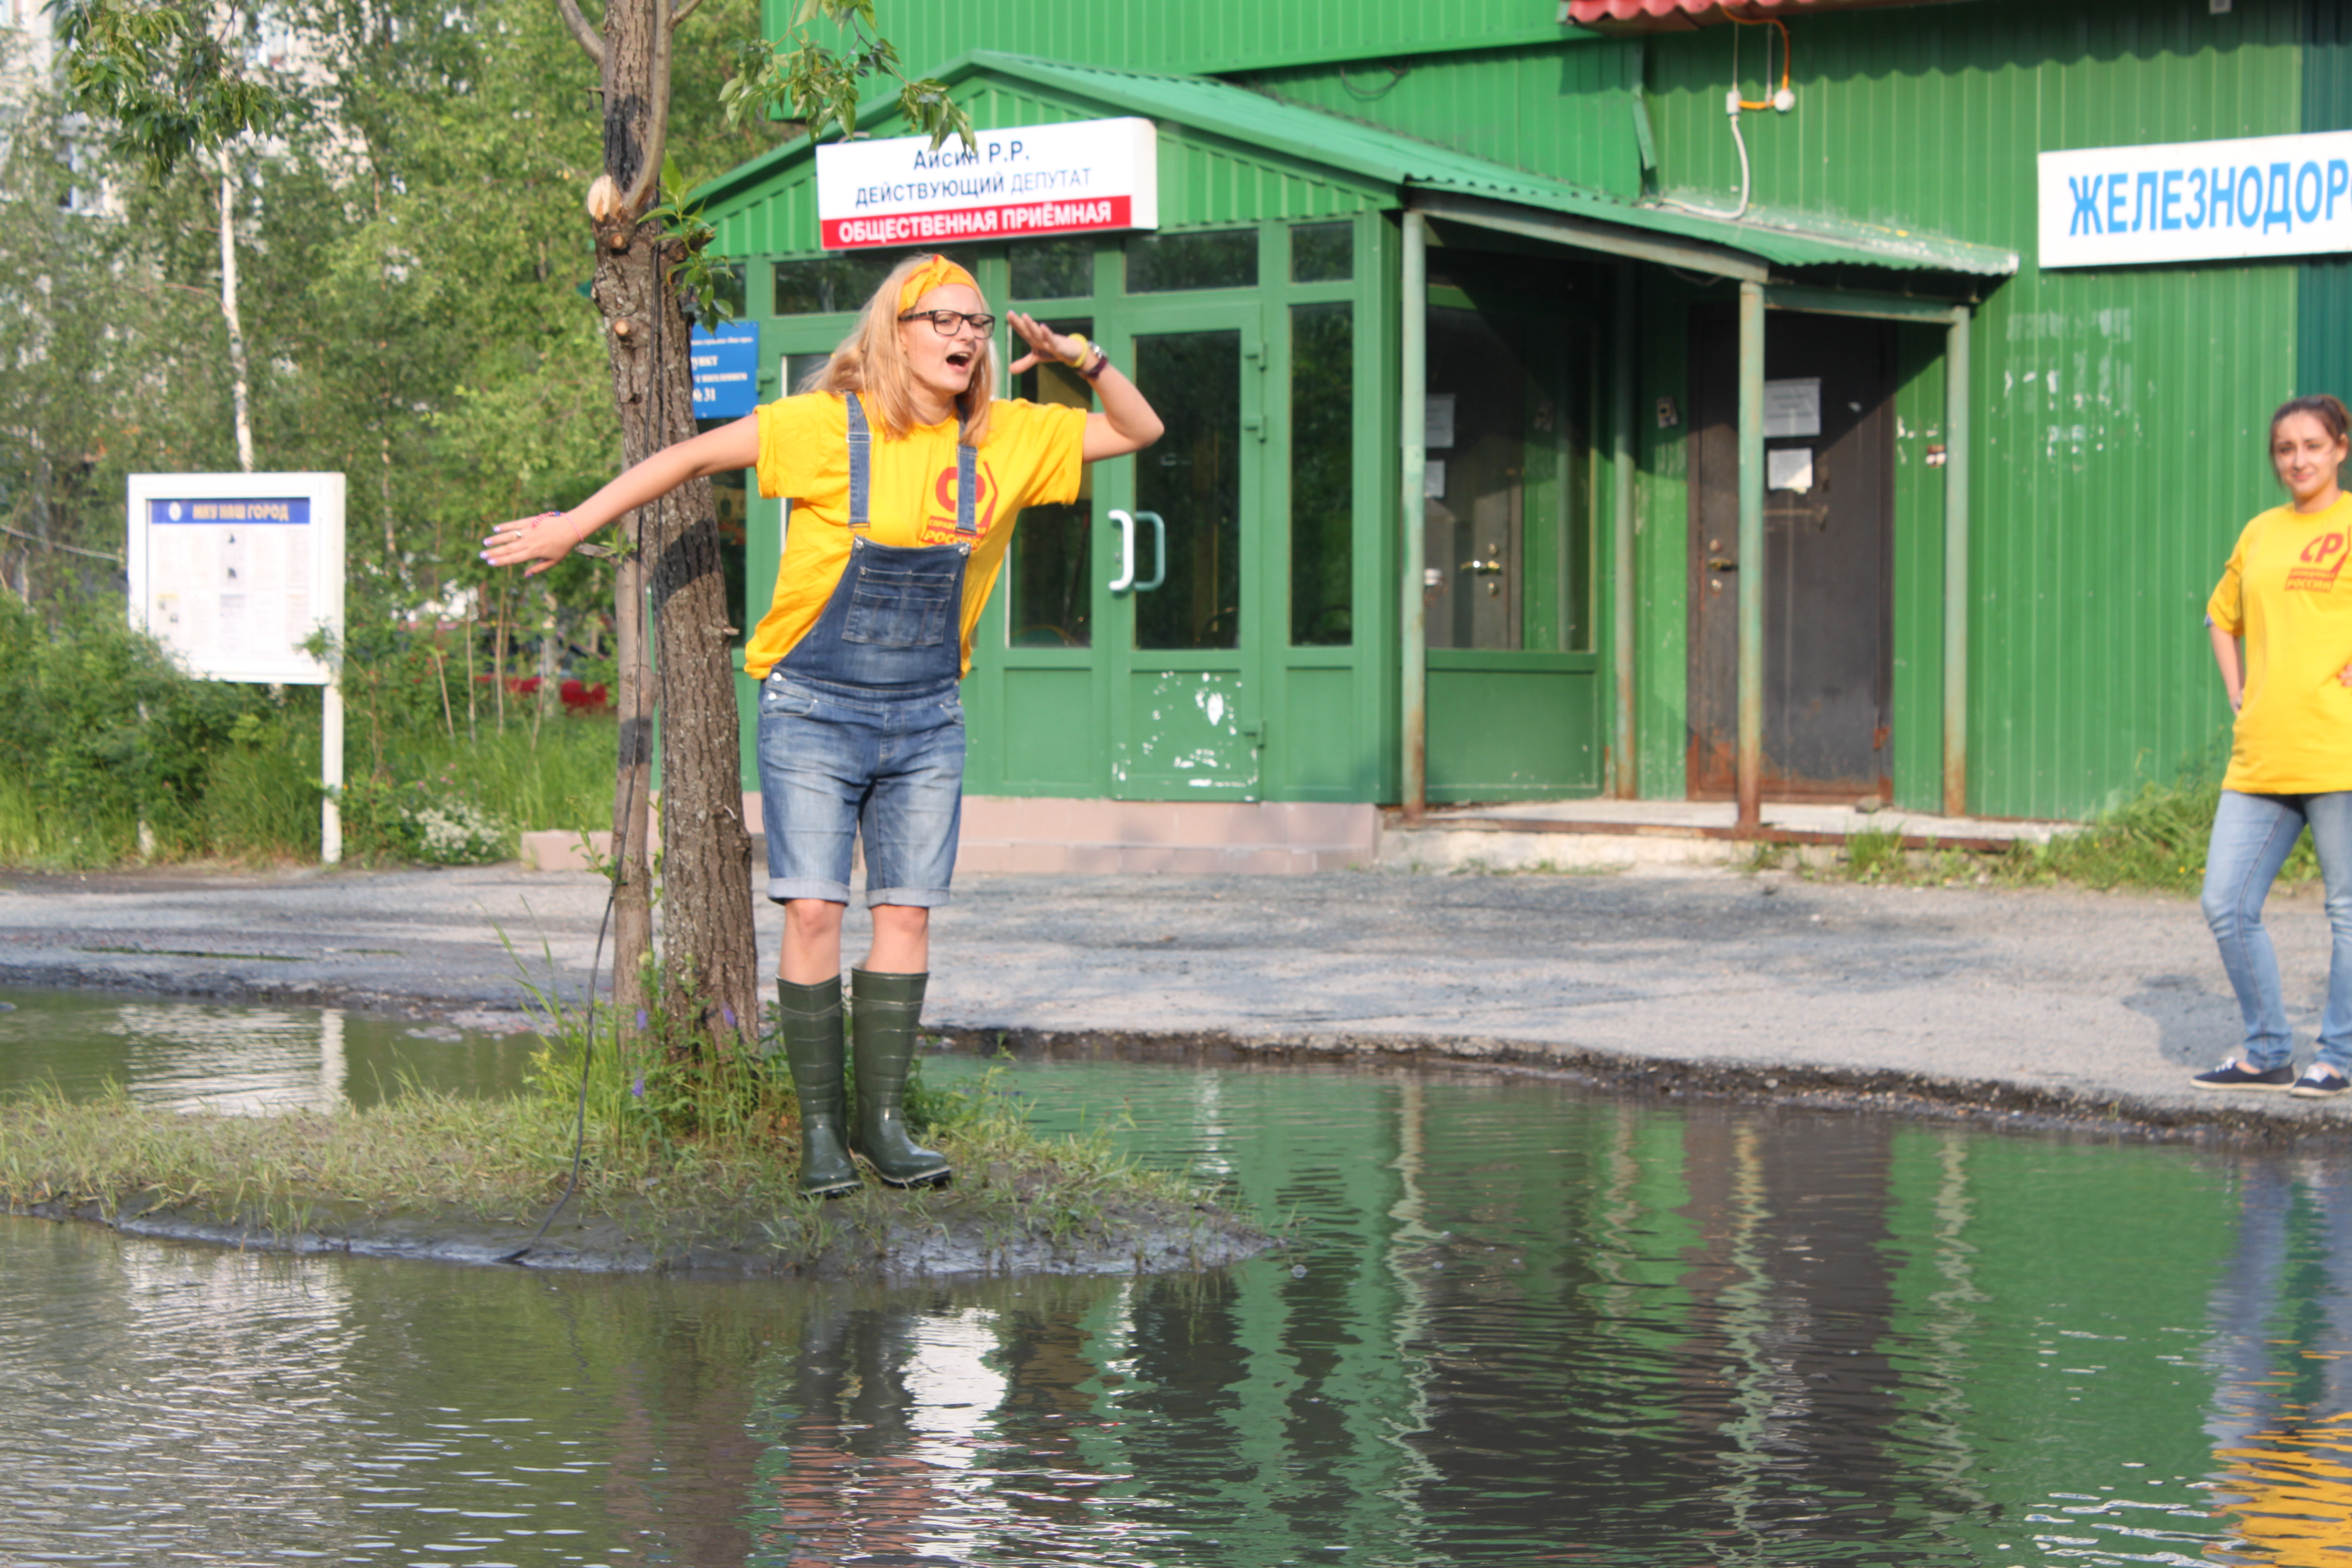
(1539, 426)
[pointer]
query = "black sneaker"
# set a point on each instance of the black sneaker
(2235, 1074)
(2320, 1083)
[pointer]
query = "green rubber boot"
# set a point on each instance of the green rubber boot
(810, 1023)
(883, 1012)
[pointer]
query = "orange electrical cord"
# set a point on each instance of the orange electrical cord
(1731, 16)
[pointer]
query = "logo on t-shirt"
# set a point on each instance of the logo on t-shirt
(940, 525)
(2320, 562)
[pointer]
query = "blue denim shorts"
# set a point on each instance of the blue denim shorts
(837, 761)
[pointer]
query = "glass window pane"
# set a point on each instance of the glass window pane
(824, 284)
(1054, 269)
(1323, 253)
(1191, 481)
(1049, 593)
(1163, 263)
(1322, 476)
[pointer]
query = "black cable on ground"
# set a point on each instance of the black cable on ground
(588, 1044)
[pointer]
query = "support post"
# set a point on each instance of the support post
(1626, 785)
(1751, 557)
(331, 762)
(1955, 565)
(1412, 403)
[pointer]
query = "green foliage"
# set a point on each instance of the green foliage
(430, 821)
(2155, 841)
(108, 736)
(105, 735)
(1875, 856)
(87, 333)
(817, 90)
(697, 275)
(166, 79)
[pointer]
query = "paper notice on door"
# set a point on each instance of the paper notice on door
(1792, 408)
(1437, 423)
(1789, 469)
(1432, 478)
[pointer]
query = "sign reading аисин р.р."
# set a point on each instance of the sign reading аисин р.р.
(1020, 182)
(2197, 201)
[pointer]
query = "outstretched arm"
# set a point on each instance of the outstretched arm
(544, 540)
(1127, 423)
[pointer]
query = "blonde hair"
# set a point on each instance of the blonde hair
(872, 362)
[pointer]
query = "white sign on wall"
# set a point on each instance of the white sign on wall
(1074, 178)
(232, 573)
(2197, 201)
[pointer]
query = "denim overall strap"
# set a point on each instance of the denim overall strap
(966, 489)
(861, 461)
(893, 626)
(861, 469)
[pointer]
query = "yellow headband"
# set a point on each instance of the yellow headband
(936, 272)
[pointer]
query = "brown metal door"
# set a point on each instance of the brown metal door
(1828, 566)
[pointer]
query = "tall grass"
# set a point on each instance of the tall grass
(2154, 841)
(555, 774)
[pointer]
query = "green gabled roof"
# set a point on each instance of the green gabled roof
(1457, 183)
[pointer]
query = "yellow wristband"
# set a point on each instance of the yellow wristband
(1080, 355)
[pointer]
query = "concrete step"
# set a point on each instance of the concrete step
(1066, 836)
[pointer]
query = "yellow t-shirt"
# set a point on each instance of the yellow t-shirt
(2286, 592)
(1033, 455)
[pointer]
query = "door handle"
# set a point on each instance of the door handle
(1722, 563)
(1125, 578)
(1158, 552)
(1488, 567)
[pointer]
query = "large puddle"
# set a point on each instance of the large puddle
(238, 1058)
(1524, 1325)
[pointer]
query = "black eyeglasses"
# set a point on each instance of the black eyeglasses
(944, 321)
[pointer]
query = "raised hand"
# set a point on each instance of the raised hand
(1045, 342)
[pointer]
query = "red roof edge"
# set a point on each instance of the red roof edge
(1681, 15)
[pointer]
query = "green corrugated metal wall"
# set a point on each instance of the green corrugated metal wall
(1563, 110)
(2105, 505)
(2118, 413)
(2323, 310)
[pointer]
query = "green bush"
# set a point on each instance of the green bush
(106, 737)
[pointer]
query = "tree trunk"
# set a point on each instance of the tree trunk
(632, 903)
(239, 397)
(709, 960)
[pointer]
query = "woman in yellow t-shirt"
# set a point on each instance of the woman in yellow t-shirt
(2287, 598)
(906, 475)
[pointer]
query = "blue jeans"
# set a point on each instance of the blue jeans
(2253, 835)
(834, 759)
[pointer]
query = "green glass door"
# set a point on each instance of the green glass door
(1185, 612)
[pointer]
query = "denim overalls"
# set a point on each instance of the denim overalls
(860, 724)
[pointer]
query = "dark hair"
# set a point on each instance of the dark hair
(2330, 412)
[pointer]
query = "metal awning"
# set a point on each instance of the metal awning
(1469, 189)
(1452, 185)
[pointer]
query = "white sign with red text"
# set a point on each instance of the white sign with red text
(1019, 182)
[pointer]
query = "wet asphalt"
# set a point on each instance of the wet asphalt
(2036, 1003)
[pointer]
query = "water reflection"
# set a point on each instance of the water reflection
(2282, 1427)
(1523, 1325)
(241, 1060)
